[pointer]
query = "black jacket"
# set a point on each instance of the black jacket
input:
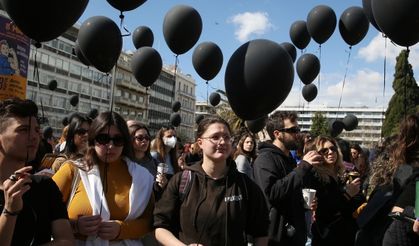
(281, 183)
(213, 212)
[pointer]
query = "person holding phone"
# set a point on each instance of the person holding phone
(31, 206)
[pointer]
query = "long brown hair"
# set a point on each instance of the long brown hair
(406, 149)
(102, 121)
(321, 170)
(241, 151)
(158, 146)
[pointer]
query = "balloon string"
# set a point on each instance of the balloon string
(36, 78)
(344, 78)
(121, 26)
(299, 80)
(384, 80)
(320, 59)
(405, 81)
(207, 92)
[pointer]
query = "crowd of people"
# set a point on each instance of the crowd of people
(109, 182)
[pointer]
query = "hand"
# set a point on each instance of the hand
(161, 180)
(353, 187)
(88, 225)
(313, 206)
(14, 188)
(416, 226)
(313, 158)
(109, 230)
(195, 244)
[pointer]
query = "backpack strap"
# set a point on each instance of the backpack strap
(185, 184)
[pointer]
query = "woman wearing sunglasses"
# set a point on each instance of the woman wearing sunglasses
(221, 205)
(336, 201)
(76, 140)
(109, 196)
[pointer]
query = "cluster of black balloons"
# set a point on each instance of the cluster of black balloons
(349, 123)
(175, 118)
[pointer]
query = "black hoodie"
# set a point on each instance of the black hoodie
(282, 182)
(214, 212)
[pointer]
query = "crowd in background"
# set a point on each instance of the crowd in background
(112, 183)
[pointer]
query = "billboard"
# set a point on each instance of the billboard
(14, 57)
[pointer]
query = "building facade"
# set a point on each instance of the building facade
(185, 94)
(370, 121)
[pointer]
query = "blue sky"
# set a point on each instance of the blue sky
(230, 23)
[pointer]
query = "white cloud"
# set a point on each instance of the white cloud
(376, 51)
(247, 24)
(363, 88)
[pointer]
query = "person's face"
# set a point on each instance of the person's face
(20, 139)
(169, 133)
(109, 151)
(81, 137)
(289, 134)
(248, 144)
(354, 154)
(141, 140)
(329, 152)
(215, 142)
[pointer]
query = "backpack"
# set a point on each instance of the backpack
(49, 159)
(185, 184)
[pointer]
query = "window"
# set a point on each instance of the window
(75, 69)
(44, 58)
(51, 61)
(59, 63)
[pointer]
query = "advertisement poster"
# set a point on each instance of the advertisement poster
(14, 57)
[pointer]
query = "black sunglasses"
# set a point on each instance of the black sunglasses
(81, 131)
(325, 151)
(103, 139)
(294, 129)
(142, 138)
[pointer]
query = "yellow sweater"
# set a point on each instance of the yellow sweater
(119, 183)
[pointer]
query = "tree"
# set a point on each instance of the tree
(319, 125)
(406, 97)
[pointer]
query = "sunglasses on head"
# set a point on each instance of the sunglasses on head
(142, 138)
(325, 151)
(294, 129)
(103, 139)
(81, 131)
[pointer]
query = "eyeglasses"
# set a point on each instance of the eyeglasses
(217, 139)
(104, 139)
(81, 131)
(294, 129)
(141, 138)
(325, 151)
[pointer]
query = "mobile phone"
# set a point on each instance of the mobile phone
(401, 216)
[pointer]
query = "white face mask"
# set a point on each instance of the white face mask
(170, 142)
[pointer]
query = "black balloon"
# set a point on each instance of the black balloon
(80, 55)
(175, 119)
(44, 20)
(74, 100)
(299, 34)
(291, 50)
(182, 27)
(308, 67)
(353, 25)
(126, 5)
(146, 65)
(52, 85)
(198, 118)
(100, 41)
(93, 113)
(64, 121)
(142, 36)
(321, 23)
(366, 5)
(257, 125)
(335, 128)
(398, 19)
(309, 92)
(350, 122)
(207, 60)
(176, 106)
(258, 78)
(214, 99)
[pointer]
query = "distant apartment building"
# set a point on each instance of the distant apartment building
(370, 121)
